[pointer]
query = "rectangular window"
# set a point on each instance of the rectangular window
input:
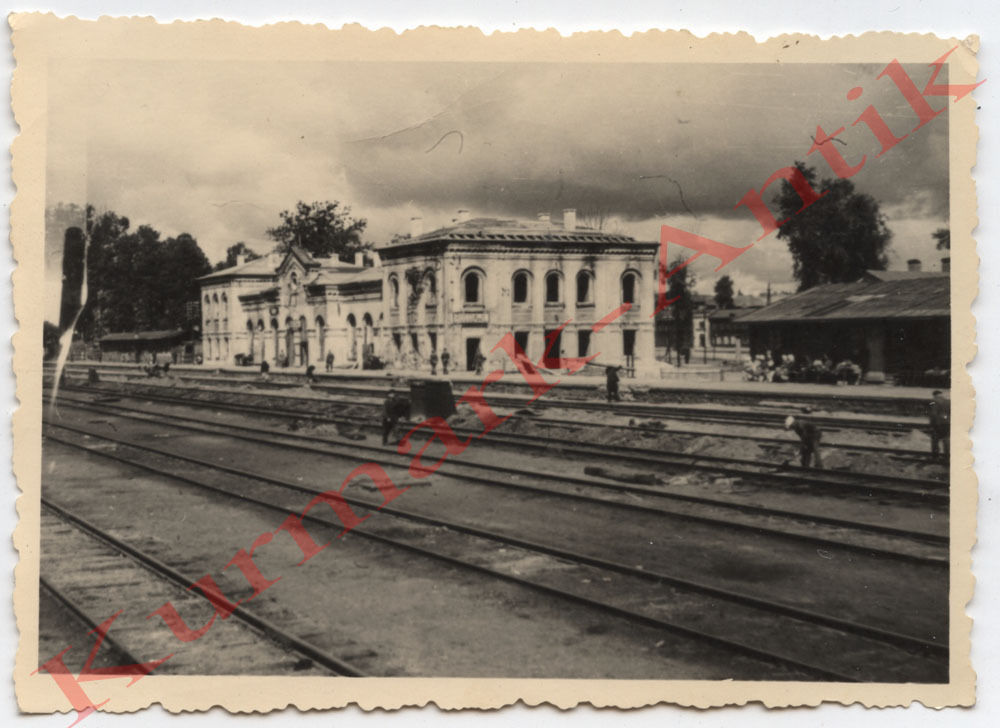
(551, 359)
(583, 343)
(521, 337)
(628, 342)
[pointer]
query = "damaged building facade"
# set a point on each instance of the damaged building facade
(459, 288)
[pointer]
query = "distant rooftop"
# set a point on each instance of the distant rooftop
(511, 230)
(267, 265)
(899, 295)
(143, 335)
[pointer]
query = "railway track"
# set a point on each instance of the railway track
(661, 460)
(70, 540)
(813, 528)
(630, 409)
(650, 426)
(633, 594)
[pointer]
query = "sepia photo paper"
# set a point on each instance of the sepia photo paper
(378, 369)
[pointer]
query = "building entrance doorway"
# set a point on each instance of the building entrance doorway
(471, 350)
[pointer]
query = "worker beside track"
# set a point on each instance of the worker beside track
(612, 384)
(809, 438)
(395, 408)
(940, 421)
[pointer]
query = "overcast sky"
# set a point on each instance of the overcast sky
(218, 149)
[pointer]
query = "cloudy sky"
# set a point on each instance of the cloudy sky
(218, 149)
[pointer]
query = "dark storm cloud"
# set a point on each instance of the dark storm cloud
(642, 141)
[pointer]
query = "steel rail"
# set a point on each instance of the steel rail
(295, 441)
(908, 642)
(267, 628)
(650, 409)
(932, 489)
(630, 615)
(107, 640)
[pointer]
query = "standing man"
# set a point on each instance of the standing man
(329, 361)
(311, 374)
(434, 363)
(940, 421)
(264, 369)
(612, 384)
(479, 361)
(445, 358)
(809, 437)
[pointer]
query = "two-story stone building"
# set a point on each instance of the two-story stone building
(290, 309)
(463, 287)
(460, 288)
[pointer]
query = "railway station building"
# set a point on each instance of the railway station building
(460, 288)
(894, 324)
(290, 309)
(464, 286)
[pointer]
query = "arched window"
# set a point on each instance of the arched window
(585, 287)
(472, 286)
(630, 285)
(224, 299)
(431, 287)
(394, 291)
(352, 337)
(553, 294)
(521, 286)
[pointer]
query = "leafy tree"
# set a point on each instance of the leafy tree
(135, 280)
(681, 311)
(724, 292)
(232, 252)
(943, 237)
(837, 238)
(322, 229)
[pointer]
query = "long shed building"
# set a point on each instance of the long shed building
(892, 323)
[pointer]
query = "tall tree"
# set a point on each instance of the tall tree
(837, 238)
(321, 228)
(232, 252)
(681, 311)
(135, 280)
(943, 238)
(724, 292)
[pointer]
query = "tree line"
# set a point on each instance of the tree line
(138, 280)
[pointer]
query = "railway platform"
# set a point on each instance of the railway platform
(863, 398)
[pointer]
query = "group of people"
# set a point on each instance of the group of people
(445, 361)
(791, 368)
(939, 417)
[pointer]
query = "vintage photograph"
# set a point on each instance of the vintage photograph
(517, 369)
